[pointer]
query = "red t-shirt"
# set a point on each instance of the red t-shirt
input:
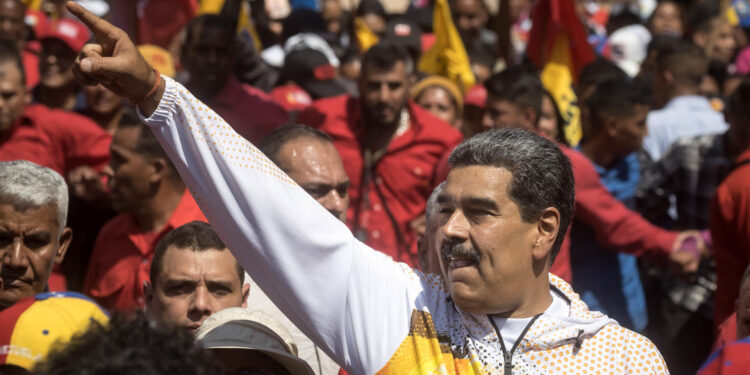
(730, 231)
(121, 259)
(405, 175)
(160, 20)
(56, 139)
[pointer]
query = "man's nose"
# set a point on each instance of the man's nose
(15, 257)
(334, 203)
(456, 227)
(487, 122)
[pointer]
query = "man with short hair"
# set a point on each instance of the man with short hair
(390, 147)
(152, 200)
(683, 113)
(514, 100)
(61, 42)
(308, 157)
(33, 232)
(208, 55)
(193, 275)
(506, 203)
(55, 139)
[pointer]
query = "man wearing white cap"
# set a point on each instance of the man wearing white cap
(251, 343)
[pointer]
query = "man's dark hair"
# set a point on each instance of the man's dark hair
(287, 133)
(147, 144)
(542, 175)
(614, 98)
(519, 85)
(737, 105)
(193, 236)
(129, 344)
(599, 71)
(9, 53)
(301, 21)
(687, 63)
(204, 21)
(385, 55)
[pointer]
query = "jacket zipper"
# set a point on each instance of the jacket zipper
(508, 356)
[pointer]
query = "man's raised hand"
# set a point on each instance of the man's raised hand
(113, 60)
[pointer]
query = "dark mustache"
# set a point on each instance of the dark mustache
(458, 250)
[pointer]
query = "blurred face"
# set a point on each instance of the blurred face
(209, 59)
(667, 19)
(725, 44)
(13, 95)
(12, 26)
(470, 17)
(384, 93)
(192, 285)
(56, 63)
(100, 100)
(374, 22)
(30, 244)
(481, 72)
(242, 361)
(440, 103)
(500, 113)
(131, 175)
(486, 249)
(630, 131)
(317, 167)
(548, 119)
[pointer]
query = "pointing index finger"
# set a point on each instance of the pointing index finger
(98, 26)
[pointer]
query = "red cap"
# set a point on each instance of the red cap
(476, 96)
(291, 97)
(73, 33)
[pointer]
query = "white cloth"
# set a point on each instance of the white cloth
(511, 329)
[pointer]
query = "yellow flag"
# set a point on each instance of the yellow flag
(32, 4)
(447, 57)
(558, 80)
(365, 37)
(244, 26)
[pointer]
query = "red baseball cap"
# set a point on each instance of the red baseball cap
(476, 96)
(73, 33)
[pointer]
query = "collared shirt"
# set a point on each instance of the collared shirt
(402, 179)
(683, 116)
(691, 171)
(251, 112)
(121, 259)
(730, 231)
(609, 281)
(56, 139)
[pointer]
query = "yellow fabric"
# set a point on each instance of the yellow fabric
(32, 4)
(47, 321)
(558, 80)
(447, 57)
(422, 353)
(159, 58)
(442, 82)
(365, 37)
(243, 25)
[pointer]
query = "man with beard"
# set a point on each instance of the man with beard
(503, 211)
(152, 200)
(390, 147)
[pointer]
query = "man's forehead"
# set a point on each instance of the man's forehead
(187, 263)
(476, 181)
(26, 218)
(127, 137)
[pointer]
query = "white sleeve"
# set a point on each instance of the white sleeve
(352, 301)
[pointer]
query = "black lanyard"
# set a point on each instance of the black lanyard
(508, 356)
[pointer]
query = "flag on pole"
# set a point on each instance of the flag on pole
(365, 37)
(244, 27)
(558, 45)
(447, 57)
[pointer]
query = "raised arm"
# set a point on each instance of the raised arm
(349, 299)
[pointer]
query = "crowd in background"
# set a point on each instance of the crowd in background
(361, 102)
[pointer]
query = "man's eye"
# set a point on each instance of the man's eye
(35, 242)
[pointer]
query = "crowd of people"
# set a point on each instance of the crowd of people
(375, 186)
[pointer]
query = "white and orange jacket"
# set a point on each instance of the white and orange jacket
(369, 313)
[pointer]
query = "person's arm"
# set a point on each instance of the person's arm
(349, 299)
(657, 184)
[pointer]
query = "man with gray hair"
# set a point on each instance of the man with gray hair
(33, 232)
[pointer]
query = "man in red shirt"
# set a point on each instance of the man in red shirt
(730, 211)
(152, 200)
(14, 28)
(616, 227)
(390, 147)
(209, 56)
(61, 42)
(55, 139)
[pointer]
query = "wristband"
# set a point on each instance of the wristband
(150, 93)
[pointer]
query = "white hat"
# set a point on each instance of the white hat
(628, 47)
(238, 328)
(98, 7)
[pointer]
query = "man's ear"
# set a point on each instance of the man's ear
(161, 169)
(548, 227)
(531, 115)
(245, 294)
(610, 125)
(668, 77)
(65, 238)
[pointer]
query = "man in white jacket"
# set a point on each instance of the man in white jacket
(503, 212)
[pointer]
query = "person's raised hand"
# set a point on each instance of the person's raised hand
(687, 251)
(113, 60)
